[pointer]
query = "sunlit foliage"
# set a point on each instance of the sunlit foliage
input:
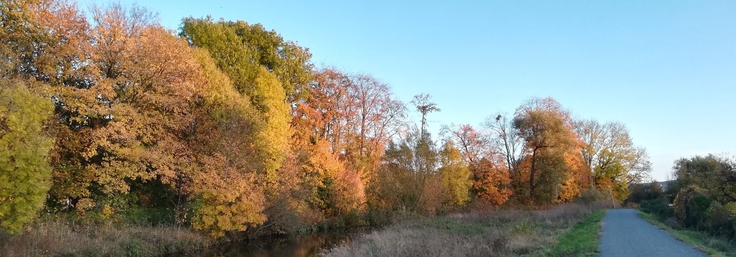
(226, 127)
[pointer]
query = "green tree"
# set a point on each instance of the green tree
(239, 49)
(715, 174)
(655, 190)
(25, 175)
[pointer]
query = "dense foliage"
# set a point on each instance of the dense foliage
(703, 196)
(228, 127)
(25, 175)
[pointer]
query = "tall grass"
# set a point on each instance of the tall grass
(64, 238)
(499, 233)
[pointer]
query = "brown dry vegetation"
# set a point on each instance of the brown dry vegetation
(499, 233)
(62, 238)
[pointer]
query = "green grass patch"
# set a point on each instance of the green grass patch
(712, 245)
(582, 240)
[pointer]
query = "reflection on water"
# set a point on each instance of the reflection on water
(299, 246)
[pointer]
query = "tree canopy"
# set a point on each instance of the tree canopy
(227, 127)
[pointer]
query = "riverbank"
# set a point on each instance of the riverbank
(136, 234)
(64, 238)
(478, 233)
(499, 233)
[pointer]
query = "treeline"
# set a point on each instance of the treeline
(703, 196)
(225, 126)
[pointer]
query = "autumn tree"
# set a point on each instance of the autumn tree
(407, 178)
(334, 189)
(612, 158)
(223, 187)
(379, 116)
(272, 72)
(340, 131)
(274, 139)
(509, 144)
(396, 186)
(327, 110)
(456, 177)
(491, 178)
(49, 41)
(44, 39)
(25, 174)
(357, 114)
(140, 102)
(548, 136)
(402, 182)
(319, 128)
(473, 144)
(491, 181)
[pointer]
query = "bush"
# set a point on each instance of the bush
(691, 207)
(591, 195)
(658, 206)
(721, 221)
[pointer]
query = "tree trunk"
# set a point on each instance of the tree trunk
(531, 176)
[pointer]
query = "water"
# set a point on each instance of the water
(278, 246)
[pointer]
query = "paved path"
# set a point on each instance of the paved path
(625, 234)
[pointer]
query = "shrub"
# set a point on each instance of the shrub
(658, 206)
(691, 206)
(720, 221)
(731, 207)
(591, 195)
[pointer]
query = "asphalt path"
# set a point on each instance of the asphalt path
(625, 234)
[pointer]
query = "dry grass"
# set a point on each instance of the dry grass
(61, 238)
(499, 233)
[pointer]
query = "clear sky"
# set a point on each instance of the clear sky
(666, 69)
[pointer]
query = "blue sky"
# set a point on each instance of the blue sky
(666, 69)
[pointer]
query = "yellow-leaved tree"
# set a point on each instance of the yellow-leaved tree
(224, 188)
(25, 175)
(456, 177)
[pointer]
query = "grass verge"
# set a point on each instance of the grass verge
(582, 240)
(498, 233)
(712, 245)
